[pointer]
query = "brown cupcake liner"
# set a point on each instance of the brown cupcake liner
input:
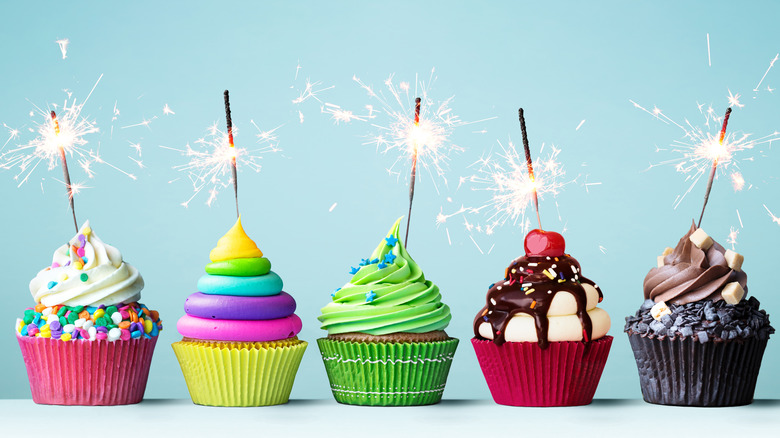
(685, 372)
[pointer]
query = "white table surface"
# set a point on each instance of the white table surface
(326, 418)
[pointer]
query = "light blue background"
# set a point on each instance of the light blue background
(563, 63)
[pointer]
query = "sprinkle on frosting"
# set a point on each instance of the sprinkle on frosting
(71, 323)
(391, 299)
(235, 244)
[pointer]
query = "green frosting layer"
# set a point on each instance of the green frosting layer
(387, 294)
(250, 267)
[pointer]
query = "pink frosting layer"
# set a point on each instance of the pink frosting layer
(239, 331)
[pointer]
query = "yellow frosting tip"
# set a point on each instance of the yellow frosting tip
(235, 244)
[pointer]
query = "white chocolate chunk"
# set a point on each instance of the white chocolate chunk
(701, 239)
(667, 251)
(734, 259)
(733, 293)
(659, 310)
(660, 261)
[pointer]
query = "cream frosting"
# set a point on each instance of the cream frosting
(87, 272)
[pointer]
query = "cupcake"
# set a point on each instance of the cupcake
(541, 340)
(88, 341)
(239, 345)
(697, 339)
(386, 344)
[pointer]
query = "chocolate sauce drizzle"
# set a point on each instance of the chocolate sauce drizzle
(526, 288)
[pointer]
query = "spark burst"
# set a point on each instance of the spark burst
(700, 146)
(63, 44)
(430, 140)
(505, 176)
(66, 135)
(210, 162)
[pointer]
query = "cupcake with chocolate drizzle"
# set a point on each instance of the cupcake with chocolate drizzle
(541, 318)
(698, 340)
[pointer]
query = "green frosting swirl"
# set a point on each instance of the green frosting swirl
(388, 294)
(249, 267)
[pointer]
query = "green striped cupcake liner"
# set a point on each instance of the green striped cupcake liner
(387, 374)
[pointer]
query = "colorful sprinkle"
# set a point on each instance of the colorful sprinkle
(84, 277)
(529, 291)
(370, 295)
(390, 258)
(391, 241)
(353, 270)
(52, 284)
(381, 266)
(549, 274)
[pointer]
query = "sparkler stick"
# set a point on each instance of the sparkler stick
(714, 164)
(65, 172)
(529, 164)
(417, 104)
(233, 166)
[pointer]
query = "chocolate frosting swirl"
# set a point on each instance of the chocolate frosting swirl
(527, 289)
(691, 274)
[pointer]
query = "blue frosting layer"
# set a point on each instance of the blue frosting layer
(261, 286)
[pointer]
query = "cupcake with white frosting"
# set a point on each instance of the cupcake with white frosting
(541, 338)
(88, 340)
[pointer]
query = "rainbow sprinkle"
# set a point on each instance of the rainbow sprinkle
(70, 323)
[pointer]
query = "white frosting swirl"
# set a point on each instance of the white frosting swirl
(564, 324)
(108, 279)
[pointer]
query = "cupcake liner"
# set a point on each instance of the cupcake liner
(522, 374)
(240, 373)
(387, 373)
(90, 373)
(685, 372)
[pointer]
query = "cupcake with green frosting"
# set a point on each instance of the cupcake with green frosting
(386, 344)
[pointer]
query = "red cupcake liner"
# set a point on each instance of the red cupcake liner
(89, 373)
(522, 374)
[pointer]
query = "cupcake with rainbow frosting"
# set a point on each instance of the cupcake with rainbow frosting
(386, 344)
(88, 340)
(239, 345)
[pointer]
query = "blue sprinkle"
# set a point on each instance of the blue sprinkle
(375, 261)
(333, 295)
(147, 336)
(370, 295)
(485, 318)
(85, 260)
(136, 334)
(338, 289)
(353, 270)
(391, 241)
(52, 284)
(24, 331)
(491, 285)
(381, 266)
(37, 321)
(560, 274)
(390, 258)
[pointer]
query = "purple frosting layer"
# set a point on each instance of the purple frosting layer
(239, 308)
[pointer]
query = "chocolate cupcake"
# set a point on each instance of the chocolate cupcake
(541, 340)
(697, 339)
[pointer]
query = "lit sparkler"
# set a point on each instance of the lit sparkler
(700, 148)
(511, 186)
(212, 163)
(715, 158)
(422, 141)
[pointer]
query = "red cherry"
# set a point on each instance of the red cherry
(540, 243)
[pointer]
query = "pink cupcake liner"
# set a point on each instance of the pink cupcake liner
(89, 373)
(522, 374)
